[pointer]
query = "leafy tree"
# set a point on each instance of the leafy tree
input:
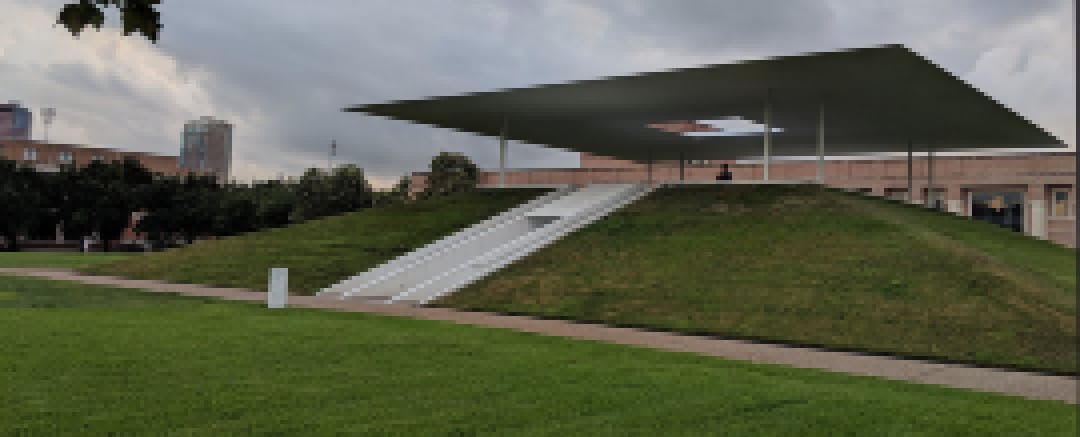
(21, 202)
(349, 190)
(80, 202)
(274, 204)
(160, 202)
(105, 196)
(451, 172)
(319, 194)
(53, 190)
(236, 212)
(312, 196)
(136, 16)
(197, 205)
(71, 200)
(402, 190)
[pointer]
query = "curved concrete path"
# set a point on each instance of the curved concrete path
(1015, 383)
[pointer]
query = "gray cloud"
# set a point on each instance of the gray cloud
(718, 25)
(283, 70)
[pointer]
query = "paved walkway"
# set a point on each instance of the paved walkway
(1025, 384)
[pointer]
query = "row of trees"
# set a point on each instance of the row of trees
(100, 198)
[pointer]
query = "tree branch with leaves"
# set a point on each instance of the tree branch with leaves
(135, 15)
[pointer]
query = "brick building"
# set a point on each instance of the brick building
(1033, 193)
(49, 156)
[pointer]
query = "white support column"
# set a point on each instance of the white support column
(910, 195)
(682, 166)
(821, 143)
(502, 153)
(768, 133)
(1038, 218)
(1036, 207)
(929, 201)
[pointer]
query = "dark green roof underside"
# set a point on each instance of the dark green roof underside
(876, 99)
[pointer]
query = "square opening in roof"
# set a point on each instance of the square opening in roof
(719, 126)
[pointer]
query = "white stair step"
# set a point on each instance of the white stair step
(469, 255)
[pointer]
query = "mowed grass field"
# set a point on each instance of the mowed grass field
(85, 360)
(805, 265)
(320, 252)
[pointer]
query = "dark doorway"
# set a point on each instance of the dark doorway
(1002, 209)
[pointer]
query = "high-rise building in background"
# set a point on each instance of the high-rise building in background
(15, 121)
(207, 146)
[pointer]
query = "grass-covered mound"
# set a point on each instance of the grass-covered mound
(807, 265)
(85, 360)
(320, 252)
(66, 260)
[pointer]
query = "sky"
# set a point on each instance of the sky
(281, 71)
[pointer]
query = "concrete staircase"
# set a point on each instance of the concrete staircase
(448, 264)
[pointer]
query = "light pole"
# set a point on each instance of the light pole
(330, 159)
(47, 115)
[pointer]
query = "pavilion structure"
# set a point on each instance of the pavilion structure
(870, 100)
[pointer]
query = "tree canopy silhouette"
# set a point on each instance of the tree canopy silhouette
(136, 16)
(451, 172)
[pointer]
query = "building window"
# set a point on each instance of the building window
(1004, 209)
(898, 194)
(29, 154)
(1061, 204)
(97, 158)
(64, 157)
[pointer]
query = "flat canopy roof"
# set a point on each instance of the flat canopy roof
(875, 100)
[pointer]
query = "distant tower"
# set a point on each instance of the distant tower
(47, 115)
(207, 146)
(330, 159)
(14, 121)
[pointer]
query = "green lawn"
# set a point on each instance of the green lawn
(85, 360)
(68, 260)
(797, 264)
(320, 252)
(791, 264)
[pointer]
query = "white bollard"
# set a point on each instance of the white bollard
(279, 290)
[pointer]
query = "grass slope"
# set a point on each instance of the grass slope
(805, 265)
(69, 260)
(320, 252)
(84, 360)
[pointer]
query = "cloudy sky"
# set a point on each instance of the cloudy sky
(281, 71)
